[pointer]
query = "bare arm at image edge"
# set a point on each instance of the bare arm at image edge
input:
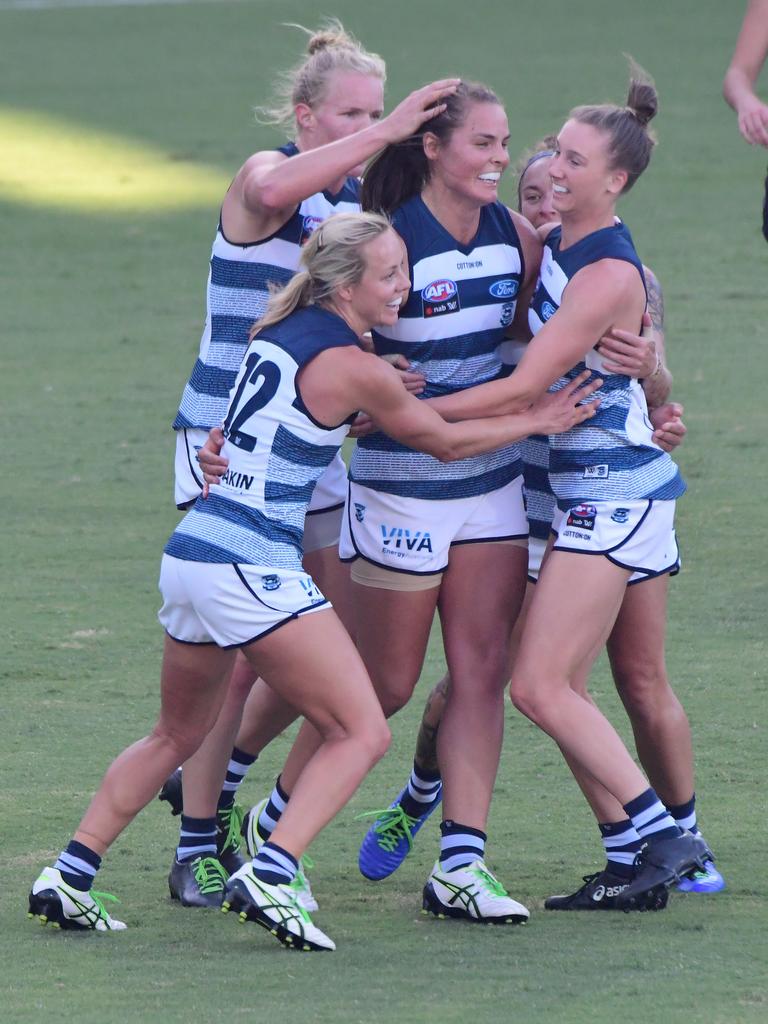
(741, 77)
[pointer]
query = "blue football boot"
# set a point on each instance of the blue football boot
(389, 839)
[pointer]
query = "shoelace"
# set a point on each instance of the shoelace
(589, 879)
(491, 882)
(231, 819)
(394, 825)
(209, 875)
(99, 899)
(301, 882)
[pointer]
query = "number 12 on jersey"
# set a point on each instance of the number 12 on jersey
(257, 387)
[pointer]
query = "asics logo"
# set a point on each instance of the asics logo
(464, 894)
(611, 890)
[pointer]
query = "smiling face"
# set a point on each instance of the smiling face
(377, 297)
(469, 164)
(583, 181)
(351, 102)
(536, 193)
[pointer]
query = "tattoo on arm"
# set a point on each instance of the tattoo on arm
(655, 300)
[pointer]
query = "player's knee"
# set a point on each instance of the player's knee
(179, 737)
(395, 694)
(377, 741)
(643, 687)
(522, 693)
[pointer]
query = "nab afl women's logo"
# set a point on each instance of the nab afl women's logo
(439, 291)
(440, 297)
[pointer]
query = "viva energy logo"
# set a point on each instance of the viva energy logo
(400, 538)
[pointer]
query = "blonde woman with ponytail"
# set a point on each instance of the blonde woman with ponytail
(331, 104)
(232, 576)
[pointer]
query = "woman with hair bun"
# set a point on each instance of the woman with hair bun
(232, 576)
(615, 487)
(636, 643)
(332, 101)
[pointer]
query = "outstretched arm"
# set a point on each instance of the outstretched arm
(363, 381)
(740, 78)
(412, 422)
(596, 298)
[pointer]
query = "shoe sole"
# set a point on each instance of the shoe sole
(657, 895)
(586, 909)
(655, 898)
(247, 910)
(659, 903)
(46, 907)
(432, 905)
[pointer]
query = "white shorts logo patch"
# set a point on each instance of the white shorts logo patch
(596, 473)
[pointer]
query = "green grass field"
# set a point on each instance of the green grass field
(121, 128)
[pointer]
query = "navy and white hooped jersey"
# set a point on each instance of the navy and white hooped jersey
(461, 301)
(237, 294)
(276, 451)
(540, 502)
(612, 455)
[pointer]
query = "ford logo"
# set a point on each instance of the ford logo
(439, 291)
(503, 289)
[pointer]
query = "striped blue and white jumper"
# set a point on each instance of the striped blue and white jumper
(276, 450)
(610, 457)
(462, 299)
(237, 291)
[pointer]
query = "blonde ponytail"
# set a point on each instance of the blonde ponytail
(333, 257)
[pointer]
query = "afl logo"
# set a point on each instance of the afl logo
(503, 289)
(547, 310)
(439, 291)
(309, 225)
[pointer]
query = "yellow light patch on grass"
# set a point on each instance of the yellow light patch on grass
(49, 162)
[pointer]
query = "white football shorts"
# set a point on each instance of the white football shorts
(231, 605)
(415, 535)
(636, 535)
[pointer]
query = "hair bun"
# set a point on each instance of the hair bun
(642, 98)
(329, 36)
